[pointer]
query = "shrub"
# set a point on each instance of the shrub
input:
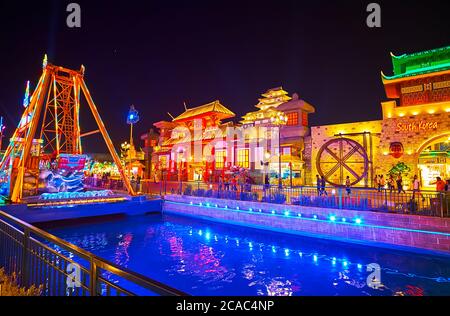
(9, 287)
(199, 192)
(277, 198)
(188, 190)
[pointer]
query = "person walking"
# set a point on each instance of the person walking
(391, 183)
(400, 184)
(376, 182)
(323, 186)
(348, 185)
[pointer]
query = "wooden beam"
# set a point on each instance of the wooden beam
(105, 135)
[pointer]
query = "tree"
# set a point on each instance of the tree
(401, 168)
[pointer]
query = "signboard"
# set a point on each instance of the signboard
(420, 126)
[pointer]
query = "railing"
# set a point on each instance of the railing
(41, 259)
(426, 203)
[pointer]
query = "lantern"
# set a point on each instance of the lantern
(396, 149)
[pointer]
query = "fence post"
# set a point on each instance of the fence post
(24, 272)
(441, 195)
(94, 278)
(340, 197)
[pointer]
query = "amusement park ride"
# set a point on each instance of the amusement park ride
(47, 141)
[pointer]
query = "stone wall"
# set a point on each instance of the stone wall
(375, 228)
(413, 140)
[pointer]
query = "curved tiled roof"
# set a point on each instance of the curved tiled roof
(213, 107)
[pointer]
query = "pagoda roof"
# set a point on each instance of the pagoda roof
(419, 64)
(211, 108)
(277, 91)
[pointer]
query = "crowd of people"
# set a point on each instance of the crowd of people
(393, 183)
(396, 183)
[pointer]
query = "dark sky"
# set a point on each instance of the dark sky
(157, 54)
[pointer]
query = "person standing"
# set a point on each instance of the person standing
(319, 185)
(416, 187)
(376, 182)
(348, 185)
(323, 184)
(381, 183)
(440, 184)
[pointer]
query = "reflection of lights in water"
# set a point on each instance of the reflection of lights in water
(121, 255)
(279, 287)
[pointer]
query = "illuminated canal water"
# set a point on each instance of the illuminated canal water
(207, 258)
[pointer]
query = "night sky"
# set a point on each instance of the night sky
(157, 54)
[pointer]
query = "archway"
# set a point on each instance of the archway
(434, 160)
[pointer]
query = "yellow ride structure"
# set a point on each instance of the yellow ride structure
(53, 112)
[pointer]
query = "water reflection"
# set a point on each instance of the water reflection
(204, 258)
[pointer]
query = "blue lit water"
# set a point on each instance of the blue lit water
(208, 258)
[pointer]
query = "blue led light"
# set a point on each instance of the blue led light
(216, 205)
(315, 216)
(286, 252)
(286, 213)
(300, 254)
(250, 245)
(345, 263)
(358, 221)
(226, 206)
(200, 204)
(208, 236)
(237, 207)
(359, 266)
(207, 204)
(273, 212)
(200, 232)
(344, 219)
(315, 258)
(299, 215)
(333, 261)
(260, 210)
(274, 250)
(191, 203)
(250, 209)
(332, 218)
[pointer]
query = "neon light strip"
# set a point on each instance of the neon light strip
(56, 115)
(316, 219)
(70, 202)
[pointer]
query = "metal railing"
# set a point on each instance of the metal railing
(425, 203)
(41, 259)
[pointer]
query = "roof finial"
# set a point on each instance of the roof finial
(185, 106)
(170, 115)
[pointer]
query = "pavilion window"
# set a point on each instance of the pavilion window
(286, 150)
(220, 159)
(292, 118)
(243, 158)
(304, 119)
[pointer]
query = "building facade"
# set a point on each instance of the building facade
(174, 156)
(412, 136)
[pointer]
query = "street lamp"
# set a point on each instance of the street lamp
(279, 120)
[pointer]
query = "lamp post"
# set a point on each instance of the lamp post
(279, 120)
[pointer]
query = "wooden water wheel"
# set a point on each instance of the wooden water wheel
(342, 157)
